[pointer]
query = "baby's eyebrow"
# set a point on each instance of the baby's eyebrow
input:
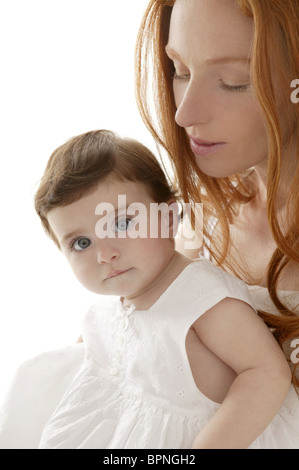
(70, 235)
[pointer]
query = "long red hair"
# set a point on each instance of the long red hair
(275, 63)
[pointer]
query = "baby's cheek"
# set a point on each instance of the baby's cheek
(82, 273)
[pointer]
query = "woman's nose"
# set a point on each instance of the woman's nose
(193, 106)
(107, 252)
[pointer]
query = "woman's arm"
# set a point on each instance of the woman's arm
(234, 332)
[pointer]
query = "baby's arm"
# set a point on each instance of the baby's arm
(234, 332)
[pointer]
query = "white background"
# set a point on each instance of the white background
(67, 67)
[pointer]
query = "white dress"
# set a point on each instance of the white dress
(38, 386)
(134, 388)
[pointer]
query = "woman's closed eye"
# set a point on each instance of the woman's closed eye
(186, 75)
(180, 76)
(179, 71)
(224, 86)
(237, 88)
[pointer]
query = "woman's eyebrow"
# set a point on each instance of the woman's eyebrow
(227, 60)
(172, 54)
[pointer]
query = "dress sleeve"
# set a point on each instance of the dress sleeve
(217, 285)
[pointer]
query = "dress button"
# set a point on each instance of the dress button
(118, 357)
(113, 371)
(124, 323)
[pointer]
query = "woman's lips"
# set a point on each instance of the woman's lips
(201, 148)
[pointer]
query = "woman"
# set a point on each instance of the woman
(224, 114)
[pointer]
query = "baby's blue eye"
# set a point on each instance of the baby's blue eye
(121, 225)
(81, 244)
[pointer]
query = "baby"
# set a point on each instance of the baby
(175, 355)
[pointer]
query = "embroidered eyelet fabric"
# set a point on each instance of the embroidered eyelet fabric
(135, 388)
(130, 384)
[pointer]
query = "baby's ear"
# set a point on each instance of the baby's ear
(173, 218)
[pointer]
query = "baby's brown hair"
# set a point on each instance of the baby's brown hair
(76, 168)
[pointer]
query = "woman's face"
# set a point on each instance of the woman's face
(210, 45)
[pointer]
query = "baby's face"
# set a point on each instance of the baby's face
(113, 238)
